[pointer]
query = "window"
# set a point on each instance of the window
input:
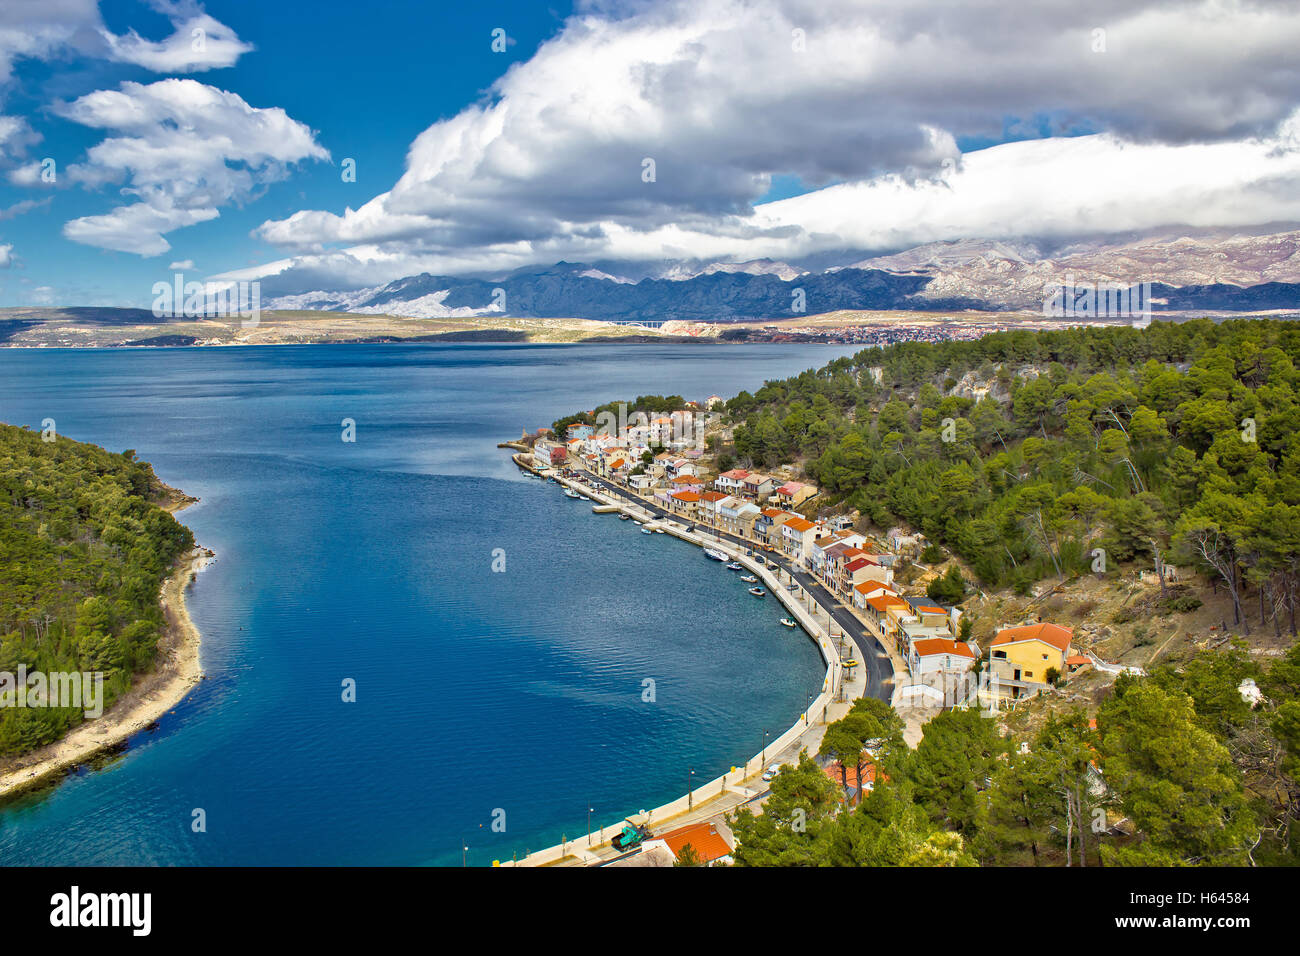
(1029, 673)
(1001, 655)
(1044, 657)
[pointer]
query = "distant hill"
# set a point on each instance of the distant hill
(1231, 273)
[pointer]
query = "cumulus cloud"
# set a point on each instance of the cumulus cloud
(869, 99)
(183, 149)
(198, 43)
(182, 265)
(6, 255)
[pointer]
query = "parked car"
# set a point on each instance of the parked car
(771, 771)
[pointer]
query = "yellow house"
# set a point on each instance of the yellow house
(1020, 657)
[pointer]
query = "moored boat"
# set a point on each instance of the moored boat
(788, 622)
(715, 554)
(758, 592)
(735, 566)
(749, 579)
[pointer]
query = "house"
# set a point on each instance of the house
(792, 494)
(684, 503)
(929, 613)
(884, 612)
(870, 589)
(641, 484)
(797, 536)
(731, 482)
(708, 510)
(861, 570)
(757, 486)
(685, 483)
(1020, 657)
(708, 843)
(737, 515)
(579, 431)
(713, 401)
(767, 526)
(945, 664)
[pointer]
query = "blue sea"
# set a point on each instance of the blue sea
(480, 695)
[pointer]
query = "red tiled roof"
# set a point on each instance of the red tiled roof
(799, 524)
(686, 495)
(858, 565)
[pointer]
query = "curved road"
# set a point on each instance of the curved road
(870, 653)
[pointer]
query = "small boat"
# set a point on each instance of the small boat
(735, 566)
(715, 554)
(749, 579)
(624, 517)
(570, 493)
(660, 531)
(758, 592)
(788, 622)
(646, 531)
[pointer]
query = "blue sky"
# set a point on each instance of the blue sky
(771, 128)
(367, 77)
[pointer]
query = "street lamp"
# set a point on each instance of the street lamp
(589, 809)
(690, 790)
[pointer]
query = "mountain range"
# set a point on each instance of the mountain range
(1212, 272)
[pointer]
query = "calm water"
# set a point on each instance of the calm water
(476, 691)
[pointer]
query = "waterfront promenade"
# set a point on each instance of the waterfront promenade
(838, 635)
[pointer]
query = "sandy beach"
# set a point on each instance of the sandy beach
(176, 671)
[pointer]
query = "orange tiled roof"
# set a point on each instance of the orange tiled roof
(1053, 634)
(799, 524)
(704, 838)
(714, 496)
(941, 645)
(686, 495)
(883, 602)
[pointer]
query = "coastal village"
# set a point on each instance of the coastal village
(661, 464)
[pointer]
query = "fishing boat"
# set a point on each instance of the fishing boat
(788, 622)
(735, 566)
(749, 579)
(624, 517)
(758, 592)
(660, 531)
(646, 531)
(715, 554)
(570, 493)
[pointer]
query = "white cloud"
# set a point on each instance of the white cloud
(184, 149)
(198, 43)
(183, 265)
(6, 255)
(550, 164)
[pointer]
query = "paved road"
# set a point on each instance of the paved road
(872, 655)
